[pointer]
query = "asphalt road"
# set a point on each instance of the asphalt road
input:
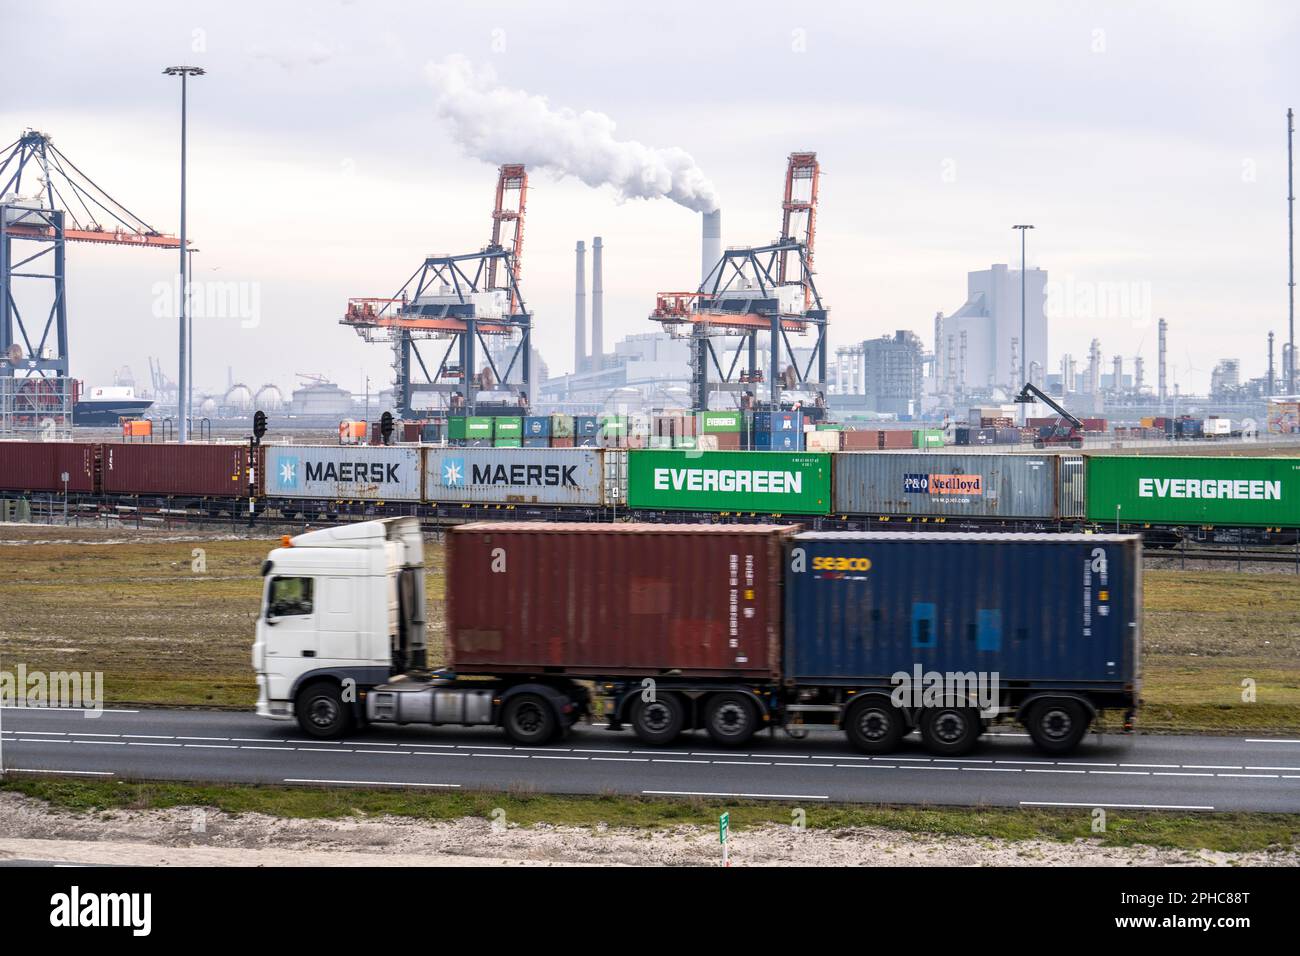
(1176, 773)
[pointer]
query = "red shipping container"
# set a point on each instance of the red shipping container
(860, 440)
(561, 442)
(727, 441)
(186, 470)
(610, 600)
(895, 438)
(38, 466)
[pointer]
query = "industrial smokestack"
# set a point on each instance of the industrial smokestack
(580, 310)
(710, 243)
(1117, 375)
(597, 306)
(1270, 364)
(1160, 370)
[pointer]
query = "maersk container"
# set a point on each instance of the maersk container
(371, 473)
(615, 600)
(192, 470)
(1050, 610)
(1194, 491)
(541, 476)
(937, 484)
(39, 466)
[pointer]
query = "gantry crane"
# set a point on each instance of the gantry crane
(761, 289)
(460, 299)
(63, 205)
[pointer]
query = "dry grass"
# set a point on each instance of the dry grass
(131, 604)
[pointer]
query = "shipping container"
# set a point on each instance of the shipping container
(1053, 610)
(711, 422)
(537, 426)
(927, 438)
(770, 482)
(894, 438)
(774, 441)
(467, 427)
(544, 476)
(191, 470)
(858, 439)
(1194, 491)
(619, 600)
(777, 422)
(561, 426)
(822, 441)
(585, 426)
(941, 484)
(39, 466)
(374, 473)
(507, 427)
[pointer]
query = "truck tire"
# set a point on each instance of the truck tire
(1056, 726)
(950, 731)
(321, 711)
(730, 719)
(658, 722)
(530, 719)
(874, 725)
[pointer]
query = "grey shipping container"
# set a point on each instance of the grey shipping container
(940, 485)
(371, 473)
(543, 476)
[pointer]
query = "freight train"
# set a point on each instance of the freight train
(841, 490)
(729, 629)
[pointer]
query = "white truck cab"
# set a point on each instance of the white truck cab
(341, 642)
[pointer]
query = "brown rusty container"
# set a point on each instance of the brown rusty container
(615, 600)
(204, 471)
(39, 466)
(860, 439)
(895, 438)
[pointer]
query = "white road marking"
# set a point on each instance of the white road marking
(706, 793)
(1268, 740)
(503, 756)
(78, 773)
(374, 783)
(141, 743)
(1112, 806)
(1028, 770)
(214, 746)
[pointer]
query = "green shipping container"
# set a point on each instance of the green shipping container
(713, 422)
(684, 441)
(770, 482)
(461, 427)
(927, 438)
(507, 443)
(830, 426)
(507, 428)
(1177, 490)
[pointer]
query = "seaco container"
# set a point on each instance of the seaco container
(39, 466)
(370, 473)
(940, 484)
(1179, 490)
(615, 599)
(544, 476)
(1056, 609)
(770, 482)
(194, 470)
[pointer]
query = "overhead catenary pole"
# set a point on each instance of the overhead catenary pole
(182, 390)
(1290, 249)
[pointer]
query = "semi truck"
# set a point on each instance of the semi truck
(729, 629)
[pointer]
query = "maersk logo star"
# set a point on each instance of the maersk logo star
(453, 472)
(289, 471)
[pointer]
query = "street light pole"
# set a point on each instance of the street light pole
(189, 308)
(1023, 328)
(183, 386)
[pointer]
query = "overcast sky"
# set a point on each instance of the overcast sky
(1146, 142)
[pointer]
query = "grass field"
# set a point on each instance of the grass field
(166, 630)
(1226, 832)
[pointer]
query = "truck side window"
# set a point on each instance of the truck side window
(289, 596)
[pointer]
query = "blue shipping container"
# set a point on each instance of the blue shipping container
(531, 442)
(537, 426)
(1049, 610)
(585, 426)
(776, 421)
(776, 441)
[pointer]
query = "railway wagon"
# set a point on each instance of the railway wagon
(39, 466)
(1184, 491)
(938, 485)
(342, 473)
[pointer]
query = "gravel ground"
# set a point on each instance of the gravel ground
(31, 830)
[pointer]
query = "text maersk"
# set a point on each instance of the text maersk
(1249, 489)
(342, 471)
(728, 479)
(546, 476)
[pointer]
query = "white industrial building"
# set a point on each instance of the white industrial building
(978, 347)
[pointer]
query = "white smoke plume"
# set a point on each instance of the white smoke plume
(502, 125)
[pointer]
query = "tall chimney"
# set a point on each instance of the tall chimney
(1270, 365)
(1137, 375)
(710, 243)
(1160, 371)
(597, 306)
(580, 310)
(1117, 375)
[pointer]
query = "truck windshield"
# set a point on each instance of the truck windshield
(289, 596)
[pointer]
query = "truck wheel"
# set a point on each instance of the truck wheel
(874, 725)
(1057, 726)
(730, 719)
(950, 731)
(658, 722)
(529, 719)
(321, 711)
